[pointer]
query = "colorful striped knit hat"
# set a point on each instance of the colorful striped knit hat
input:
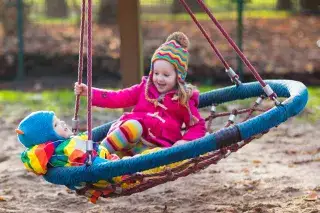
(175, 51)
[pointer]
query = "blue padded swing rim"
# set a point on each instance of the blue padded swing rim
(295, 92)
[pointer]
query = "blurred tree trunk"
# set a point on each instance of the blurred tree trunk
(310, 6)
(107, 12)
(284, 5)
(177, 7)
(8, 16)
(57, 9)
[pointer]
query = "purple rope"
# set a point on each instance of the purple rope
(205, 34)
(235, 47)
(89, 69)
(80, 62)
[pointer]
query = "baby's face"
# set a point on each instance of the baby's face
(61, 128)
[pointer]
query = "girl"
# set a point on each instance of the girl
(162, 102)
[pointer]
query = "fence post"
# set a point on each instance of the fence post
(20, 73)
(240, 6)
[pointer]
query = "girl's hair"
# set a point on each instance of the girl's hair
(184, 90)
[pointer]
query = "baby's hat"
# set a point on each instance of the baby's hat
(175, 51)
(37, 128)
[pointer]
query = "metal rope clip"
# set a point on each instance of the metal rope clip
(213, 109)
(89, 148)
(259, 100)
(170, 175)
(276, 101)
(227, 154)
(271, 94)
(117, 189)
(241, 143)
(232, 116)
(75, 125)
(233, 76)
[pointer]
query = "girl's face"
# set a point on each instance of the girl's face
(61, 128)
(164, 76)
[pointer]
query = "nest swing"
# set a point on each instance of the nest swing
(96, 180)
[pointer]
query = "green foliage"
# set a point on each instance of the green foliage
(313, 105)
(224, 9)
(59, 101)
(267, 14)
(15, 103)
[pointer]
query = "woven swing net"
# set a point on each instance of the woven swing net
(142, 181)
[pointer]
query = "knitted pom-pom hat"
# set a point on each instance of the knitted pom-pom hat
(37, 128)
(175, 51)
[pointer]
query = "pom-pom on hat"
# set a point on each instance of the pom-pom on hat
(175, 51)
(37, 128)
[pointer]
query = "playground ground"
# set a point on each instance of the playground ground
(279, 172)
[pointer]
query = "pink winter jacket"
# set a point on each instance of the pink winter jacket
(162, 127)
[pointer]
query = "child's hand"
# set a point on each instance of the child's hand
(180, 142)
(80, 89)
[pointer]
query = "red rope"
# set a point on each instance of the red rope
(205, 34)
(89, 69)
(231, 42)
(80, 63)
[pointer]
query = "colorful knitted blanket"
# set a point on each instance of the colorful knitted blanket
(61, 153)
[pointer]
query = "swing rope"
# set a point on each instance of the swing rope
(89, 69)
(232, 75)
(75, 121)
(89, 144)
(205, 34)
(234, 78)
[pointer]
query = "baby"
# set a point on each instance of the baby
(50, 143)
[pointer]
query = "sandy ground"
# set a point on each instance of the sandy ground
(276, 173)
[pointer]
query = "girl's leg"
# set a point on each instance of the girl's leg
(123, 137)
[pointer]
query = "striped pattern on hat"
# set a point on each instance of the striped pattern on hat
(174, 53)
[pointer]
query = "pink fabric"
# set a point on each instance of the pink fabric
(163, 129)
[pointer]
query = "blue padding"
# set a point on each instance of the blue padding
(297, 100)
(75, 175)
(100, 132)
